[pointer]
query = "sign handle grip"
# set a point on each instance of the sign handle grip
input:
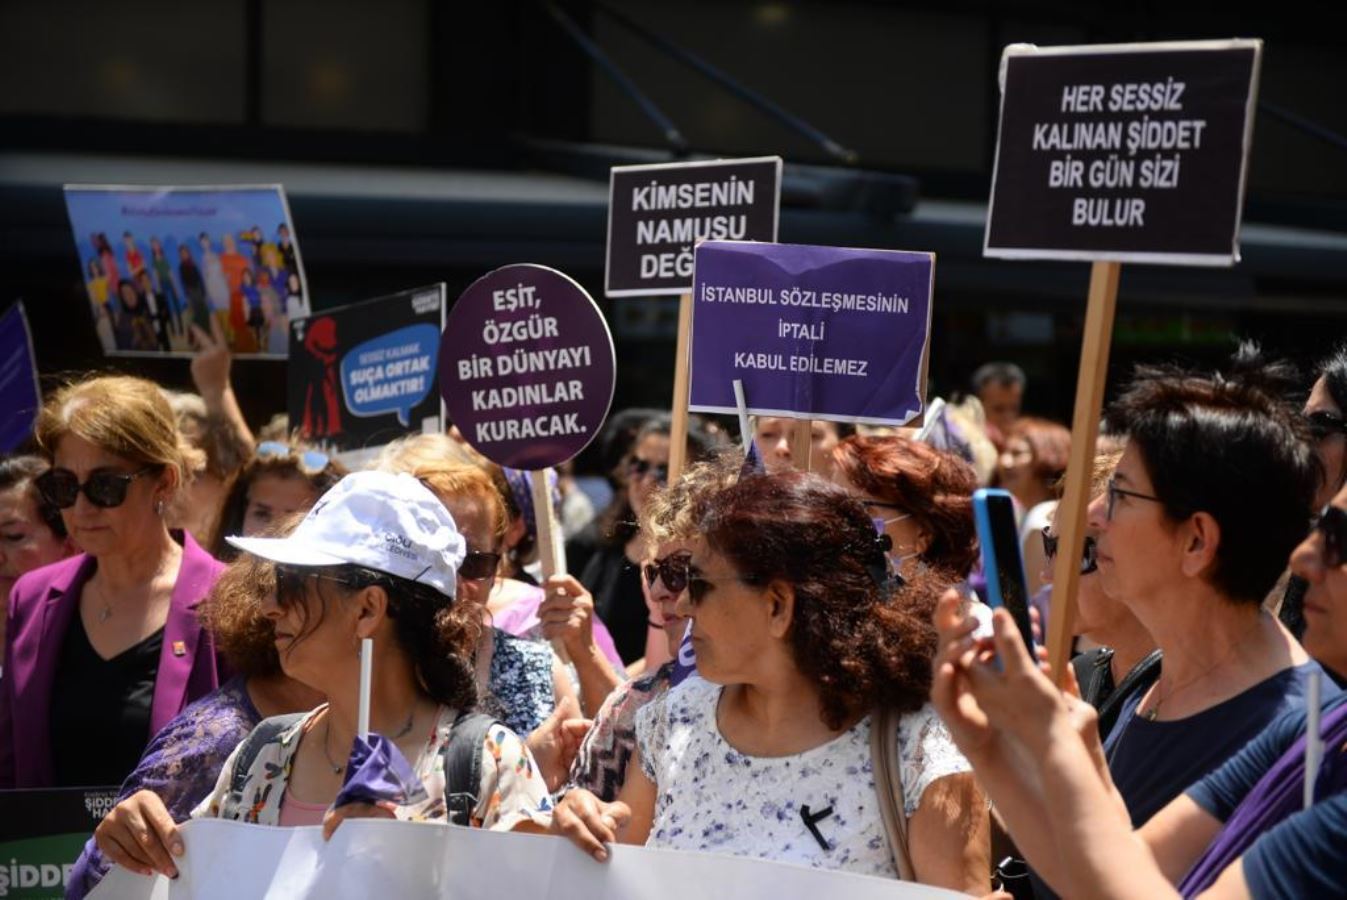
(678, 431)
(548, 551)
(1071, 511)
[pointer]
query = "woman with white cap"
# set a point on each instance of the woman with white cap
(377, 557)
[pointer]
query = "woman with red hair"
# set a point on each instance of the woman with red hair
(1034, 460)
(920, 497)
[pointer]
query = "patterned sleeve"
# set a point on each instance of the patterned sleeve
(512, 789)
(211, 805)
(926, 753)
(652, 730)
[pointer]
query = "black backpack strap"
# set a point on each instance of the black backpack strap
(266, 731)
(1141, 677)
(1093, 674)
(463, 764)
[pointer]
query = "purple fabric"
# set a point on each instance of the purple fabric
(378, 772)
(521, 620)
(753, 464)
(181, 765)
(945, 434)
(1276, 796)
(686, 663)
(521, 488)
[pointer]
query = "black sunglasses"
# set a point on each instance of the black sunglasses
(638, 467)
(479, 564)
(1324, 424)
(61, 487)
(290, 581)
(1333, 526)
(699, 587)
(672, 569)
(1089, 560)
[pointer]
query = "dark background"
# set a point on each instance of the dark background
(422, 141)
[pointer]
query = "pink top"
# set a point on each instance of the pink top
(295, 813)
(520, 619)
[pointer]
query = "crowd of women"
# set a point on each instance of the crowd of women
(750, 659)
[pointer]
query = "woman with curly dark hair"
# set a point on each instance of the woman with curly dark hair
(920, 497)
(800, 642)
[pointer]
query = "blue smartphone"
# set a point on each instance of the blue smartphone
(994, 515)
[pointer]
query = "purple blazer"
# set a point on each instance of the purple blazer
(40, 609)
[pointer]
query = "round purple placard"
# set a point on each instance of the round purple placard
(527, 366)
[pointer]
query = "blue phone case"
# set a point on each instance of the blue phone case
(991, 566)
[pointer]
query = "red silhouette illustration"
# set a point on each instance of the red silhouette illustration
(322, 406)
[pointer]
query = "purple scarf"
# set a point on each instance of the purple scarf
(1277, 796)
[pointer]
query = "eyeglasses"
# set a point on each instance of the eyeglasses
(699, 587)
(1114, 492)
(672, 569)
(1333, 526)
(479, 564)
(290, 581)
(61, 487)
(1089, 559)
(638, 468)
(1324, 424)
(311, 462)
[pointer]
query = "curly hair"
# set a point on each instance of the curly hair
(1234, 447)
(934, 487)
(863, 644)
(674, 512)
(232, 613)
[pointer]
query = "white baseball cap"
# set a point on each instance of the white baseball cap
(387, 522)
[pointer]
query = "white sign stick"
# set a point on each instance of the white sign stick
(366, 679)
(1314, 740)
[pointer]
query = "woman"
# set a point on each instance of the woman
(131, 325)
(1243, 831)
(280, 480)
(775, 437)
(377, 559)
(1208, 498)
(921, 498)
(612, 573)
(520, 681)
(798, 640)
(32, 534)
(670, 525)
(107, 642)
(163, 284)
(217, 284)
(1033, 462)
(182, 763)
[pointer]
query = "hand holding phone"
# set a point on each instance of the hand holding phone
(994, 515)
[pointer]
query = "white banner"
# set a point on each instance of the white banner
(386, 859)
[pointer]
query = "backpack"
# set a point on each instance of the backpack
(462, 755)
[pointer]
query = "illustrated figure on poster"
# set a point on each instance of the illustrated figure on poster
(217, 286)
(296, 307)
(195, 289)
(108, 260)
(234, 265)
(131, 326)
(97, 284)
(254, 238)
(287, 249)
(155, 308)
(135, 260)
(318, 371)
(162, 271)
(252, 296)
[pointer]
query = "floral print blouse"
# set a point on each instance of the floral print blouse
(511, 790)
(710, 797)
(520, 691)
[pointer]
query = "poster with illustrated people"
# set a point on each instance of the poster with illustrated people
(159, 262)
(363, 375)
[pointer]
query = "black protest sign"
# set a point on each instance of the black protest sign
(42, 833)
(1130, 153)
(364, 374)
(658, 213)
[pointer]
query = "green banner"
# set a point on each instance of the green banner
(41, 835)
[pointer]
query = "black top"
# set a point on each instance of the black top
(100, 709)
(615, 582)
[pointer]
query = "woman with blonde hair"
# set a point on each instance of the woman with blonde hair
(107, 642)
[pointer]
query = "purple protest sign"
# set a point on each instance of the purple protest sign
(527, 366)
(813, 332)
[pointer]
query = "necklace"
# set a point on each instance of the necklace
(327, 730)
(1153, 713)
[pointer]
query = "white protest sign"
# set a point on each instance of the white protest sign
(375, 858)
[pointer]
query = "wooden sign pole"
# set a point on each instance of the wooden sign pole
(678, 432)
(1070, 520)
(549, 554)
(801, 443)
